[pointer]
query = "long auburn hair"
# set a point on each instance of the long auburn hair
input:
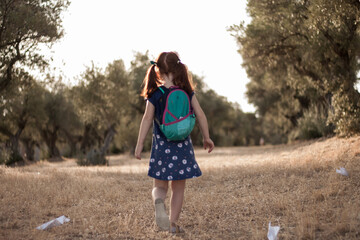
(167, 62)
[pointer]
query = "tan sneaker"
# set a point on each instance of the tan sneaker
(161, 218)
(174, 228)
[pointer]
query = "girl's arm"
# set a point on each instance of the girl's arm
(145, 125)
(204, 128)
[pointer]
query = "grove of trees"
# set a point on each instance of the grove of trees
(101, 114)
(302, 57)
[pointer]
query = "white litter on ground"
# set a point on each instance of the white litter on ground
(273, 231)
(53, 223)
(342, 171)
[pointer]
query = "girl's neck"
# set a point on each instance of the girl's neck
(168, 80)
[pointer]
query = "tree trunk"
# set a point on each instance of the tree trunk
(14, 141)
(50, 138)
(85, 139)
(14, 148)
(72, 140)
(8, 76)
(109, 136)
(54, 151)
(90, 139)
(29, 148)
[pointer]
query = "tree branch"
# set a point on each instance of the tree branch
(8, 77)
(305, 72)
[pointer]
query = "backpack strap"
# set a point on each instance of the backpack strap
(163, 92)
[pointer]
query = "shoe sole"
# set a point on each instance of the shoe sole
(161, 218)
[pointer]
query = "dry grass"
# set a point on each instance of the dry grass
(241, 190)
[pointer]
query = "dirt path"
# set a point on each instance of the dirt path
(242, 189)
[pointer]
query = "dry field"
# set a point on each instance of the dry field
(241, 190)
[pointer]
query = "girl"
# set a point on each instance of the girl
(170, 160)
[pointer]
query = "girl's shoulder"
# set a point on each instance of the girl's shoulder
(155, 96)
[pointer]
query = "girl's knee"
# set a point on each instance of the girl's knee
(178, 185)
(161, 184)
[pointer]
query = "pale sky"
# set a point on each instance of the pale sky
(103, 31)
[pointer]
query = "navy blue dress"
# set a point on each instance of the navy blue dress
(170, 160)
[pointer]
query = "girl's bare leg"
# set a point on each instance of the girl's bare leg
(160, 189)
(177, 198)
(159, 194)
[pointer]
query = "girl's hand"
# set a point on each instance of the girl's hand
(208, 143)
(138, 151)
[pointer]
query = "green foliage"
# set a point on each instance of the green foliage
(9, 157)
(4, 155)
(228, 125)
(24, 25)
(14, 157)
(346, 114)
(130, 122)
(60, 117)
(300, 54)
(102, 114)
(312, 125)
(20, 106)
(102, 99)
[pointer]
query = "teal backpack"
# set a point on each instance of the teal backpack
(178, 119)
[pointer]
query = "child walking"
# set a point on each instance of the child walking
(170, 161)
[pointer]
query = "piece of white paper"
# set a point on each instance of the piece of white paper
(272, 232)
(342, 171)
(53, 223)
